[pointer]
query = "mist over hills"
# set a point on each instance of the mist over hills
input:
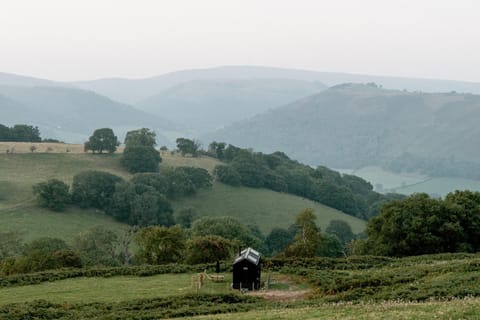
(348, 126)
(70, 114)
(207, 105)
(132, 91)
(352, 126)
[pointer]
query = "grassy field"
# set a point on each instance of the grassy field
(20, 170)
(114, 289)
(263, 207)
(18, 210)
(451, 281)
(468, 308)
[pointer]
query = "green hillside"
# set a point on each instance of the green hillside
(20, 171)
(265, 208)
(206, 105)
(354, 126)
(72, 115)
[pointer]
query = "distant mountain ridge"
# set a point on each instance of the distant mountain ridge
(352, 126)
(131, 91)
(207, 105)
(71, 114)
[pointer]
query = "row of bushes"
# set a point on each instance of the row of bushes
(415, 279)
(156, 308)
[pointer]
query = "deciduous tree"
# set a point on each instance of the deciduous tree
(53, 194)
(102, 140)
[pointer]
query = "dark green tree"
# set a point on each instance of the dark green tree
(413, 226)
(139, 158)
(187, 146)
(97, 246)
(141, 137)
(341, 230)
(140, 205)
(160, 245)
(25, 133)
(186, 216)
(332, 247)
(465, 205)
(53, 194)
(102, 140)
(227, 174)
(278, 239)
(10, 244)
(226, 227)
(42, 254)
(217, 150)
(94, 189)
(208, 249)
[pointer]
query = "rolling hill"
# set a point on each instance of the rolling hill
(20, 171)
(73, 114)
(134, 90)
(207, 105)
(353, 126)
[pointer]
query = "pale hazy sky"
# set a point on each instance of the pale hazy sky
(86, 39)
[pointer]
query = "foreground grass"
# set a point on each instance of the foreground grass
(114, 289)
(468, 308)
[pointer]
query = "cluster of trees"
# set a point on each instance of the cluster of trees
(139, 154)
(20, 133)
(209, 239)
(95, 246)
(142, 201)
(278, 172)
(422, 225)
(187, 146)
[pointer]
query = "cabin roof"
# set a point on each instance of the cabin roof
(250, 255)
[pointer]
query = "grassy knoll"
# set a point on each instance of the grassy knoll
(18, 211)
(265, 208)
(20, 171)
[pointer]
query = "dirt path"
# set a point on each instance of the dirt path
(281, 295)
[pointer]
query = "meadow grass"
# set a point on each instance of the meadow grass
(20, 171)
(114, 289)
(265, 208)
(468, 308)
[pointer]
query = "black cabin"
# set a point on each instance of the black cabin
(246, 270)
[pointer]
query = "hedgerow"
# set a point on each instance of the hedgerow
(155, 308)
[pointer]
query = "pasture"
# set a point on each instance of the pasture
(441, 286)
(19, 171)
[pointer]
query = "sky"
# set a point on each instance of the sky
(90, 39)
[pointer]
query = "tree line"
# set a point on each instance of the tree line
(348, 193)
(20, 133)
(207, 240)
(420, 224)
